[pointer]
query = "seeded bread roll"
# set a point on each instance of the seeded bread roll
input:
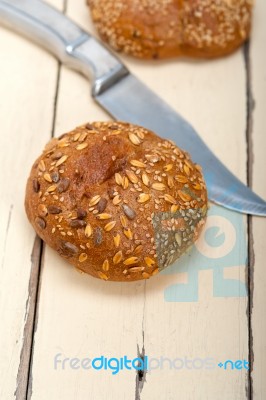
(171, 28)
(115, 200)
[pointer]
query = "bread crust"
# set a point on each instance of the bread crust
(115, 200)
(158, 29)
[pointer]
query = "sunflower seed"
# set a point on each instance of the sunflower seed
(83, 137)
(76, 137)
(41, 166)
(82, 146)
(61, 160)
(47, 177)
(51, 188)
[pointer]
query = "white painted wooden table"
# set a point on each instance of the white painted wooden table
(47, 308)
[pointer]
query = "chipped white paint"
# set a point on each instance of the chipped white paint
(79, 316)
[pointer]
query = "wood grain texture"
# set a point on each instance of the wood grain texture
(26, 119)
(48, 308)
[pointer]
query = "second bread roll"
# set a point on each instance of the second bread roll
(172, 28)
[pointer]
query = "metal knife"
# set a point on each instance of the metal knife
(123, 95)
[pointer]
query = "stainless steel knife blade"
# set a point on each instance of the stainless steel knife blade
(124, 96)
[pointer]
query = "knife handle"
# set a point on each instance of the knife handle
(73, 46)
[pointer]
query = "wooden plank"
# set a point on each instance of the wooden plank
(257, 59)
(213, 99)
(81, 317)
(26, 114)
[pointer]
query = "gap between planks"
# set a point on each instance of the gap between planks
(250, 105)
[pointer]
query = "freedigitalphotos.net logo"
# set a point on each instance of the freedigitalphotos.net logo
(147, 364)
(222, 245)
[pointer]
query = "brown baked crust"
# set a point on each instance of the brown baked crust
(171, 28)
(116, 200)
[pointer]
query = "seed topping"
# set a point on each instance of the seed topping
(104, 216)
(40, 222)
(129, 212)
(83, 257)
(137, 163)
(54, 209)
(131, 176)
(108, 227)
(143, 198)
(105, 265)
(117, 257)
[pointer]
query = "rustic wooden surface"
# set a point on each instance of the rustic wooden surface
(47, 308)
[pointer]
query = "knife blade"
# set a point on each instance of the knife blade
(124, 96)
